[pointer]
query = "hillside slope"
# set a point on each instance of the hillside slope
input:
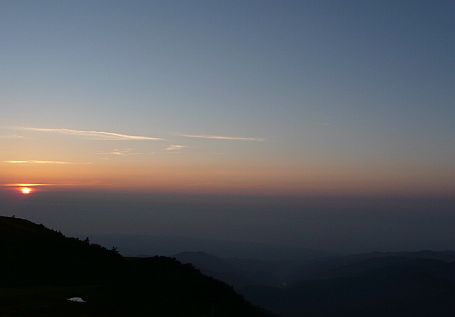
(43, 268)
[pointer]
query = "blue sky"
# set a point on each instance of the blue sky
(351, 85)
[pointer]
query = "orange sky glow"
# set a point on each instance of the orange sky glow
(226, 178)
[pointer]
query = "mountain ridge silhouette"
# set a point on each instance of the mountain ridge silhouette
(43, 268)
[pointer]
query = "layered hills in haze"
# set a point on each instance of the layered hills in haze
(371, 284)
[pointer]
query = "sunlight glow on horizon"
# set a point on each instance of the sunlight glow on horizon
(26, 190)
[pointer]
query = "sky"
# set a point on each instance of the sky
(288, 99)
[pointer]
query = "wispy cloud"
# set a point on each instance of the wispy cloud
(42, 162)
(175, 147)
(96, 135)
(25, 185)
(120, 152)
(221, 137)
(11, 136)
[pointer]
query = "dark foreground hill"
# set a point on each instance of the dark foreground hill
(41, 269)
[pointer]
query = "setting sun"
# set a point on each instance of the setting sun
(26, 190)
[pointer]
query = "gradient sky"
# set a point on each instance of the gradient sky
(320, 124)
(275, 97)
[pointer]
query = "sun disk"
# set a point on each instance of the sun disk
(25, 190)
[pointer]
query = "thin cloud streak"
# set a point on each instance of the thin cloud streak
(221, 137)
(120, 152)
(26, 185)
(42, 162)
(14, 136)
(175, 147)
(97, 135)
(19, 185)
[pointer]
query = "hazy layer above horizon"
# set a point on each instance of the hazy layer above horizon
(327, 224)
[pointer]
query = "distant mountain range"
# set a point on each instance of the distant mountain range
(42, 268)
(145, 245)
(370, 284)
